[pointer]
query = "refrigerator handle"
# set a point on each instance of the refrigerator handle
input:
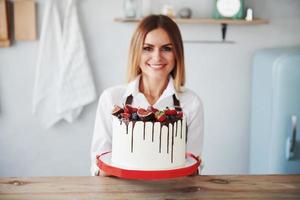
(291, 140)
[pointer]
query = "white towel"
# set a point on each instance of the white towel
(64, 83)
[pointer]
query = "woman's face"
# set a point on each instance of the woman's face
(157, 58)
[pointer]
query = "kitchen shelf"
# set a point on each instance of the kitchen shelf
(203, 21)
(206, 21)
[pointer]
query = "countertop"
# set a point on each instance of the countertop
(195, 187)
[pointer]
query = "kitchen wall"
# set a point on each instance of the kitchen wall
(219, 73)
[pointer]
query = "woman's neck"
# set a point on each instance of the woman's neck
(152, 88)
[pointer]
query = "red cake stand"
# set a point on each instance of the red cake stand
(191, 166)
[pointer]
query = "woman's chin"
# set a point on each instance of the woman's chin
(156, 75)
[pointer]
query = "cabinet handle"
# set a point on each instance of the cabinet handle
(291, 140)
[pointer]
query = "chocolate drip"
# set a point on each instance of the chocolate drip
(160, 135)
(186, 133)
(126, 124)
(181, 129)
(133, 123)
(176, 128)
(172, 143)
(160, 138)
(168, 140)
(144, 130)
(152, 131)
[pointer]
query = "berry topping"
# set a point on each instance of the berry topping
(125, 116)
(150, 114)
(129, 109)
(135, 116)
(145, 115)
(152, 109)
(117, 110)
(170, 112)
(160, 116)
(171, 117)
(179, 115)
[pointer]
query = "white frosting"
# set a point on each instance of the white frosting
(135, 148)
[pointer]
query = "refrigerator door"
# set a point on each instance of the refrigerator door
(275, 112)
(285, 140)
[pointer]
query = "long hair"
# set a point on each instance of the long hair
(148, 24)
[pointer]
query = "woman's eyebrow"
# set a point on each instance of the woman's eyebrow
(148, 44)
(169, 44)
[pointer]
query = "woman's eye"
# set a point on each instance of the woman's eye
(167, 49)
(147, 48)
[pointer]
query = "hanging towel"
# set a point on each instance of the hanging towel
(49, 64)
(64, 83)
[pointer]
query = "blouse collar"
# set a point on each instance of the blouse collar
(133, 88)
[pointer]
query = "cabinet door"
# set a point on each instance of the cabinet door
(24, 20)
(4, 33)
(286, 103)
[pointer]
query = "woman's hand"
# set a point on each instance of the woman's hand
(196, 173)
(100, 172)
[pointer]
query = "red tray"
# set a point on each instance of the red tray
(191, 166)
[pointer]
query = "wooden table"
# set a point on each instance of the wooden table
(197, 187)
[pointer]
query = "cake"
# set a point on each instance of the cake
(148, 139)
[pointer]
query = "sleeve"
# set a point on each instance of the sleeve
(196, 129)
(102, 136)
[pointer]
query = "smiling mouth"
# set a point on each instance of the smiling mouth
(156, 66)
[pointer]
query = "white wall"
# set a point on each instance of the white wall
(219, 73)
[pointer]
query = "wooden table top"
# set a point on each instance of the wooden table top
(197, 187)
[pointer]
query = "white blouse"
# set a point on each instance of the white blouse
(190, 103)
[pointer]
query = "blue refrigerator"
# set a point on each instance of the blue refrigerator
(275, 112)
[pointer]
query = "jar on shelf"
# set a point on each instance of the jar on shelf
(168, 10)
(130, 8)
(146, 7)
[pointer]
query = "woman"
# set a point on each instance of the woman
(155, 73)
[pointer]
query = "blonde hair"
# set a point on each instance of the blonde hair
(145, 26)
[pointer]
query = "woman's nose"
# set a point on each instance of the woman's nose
(156, 55)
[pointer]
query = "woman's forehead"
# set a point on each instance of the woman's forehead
(157, 36)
